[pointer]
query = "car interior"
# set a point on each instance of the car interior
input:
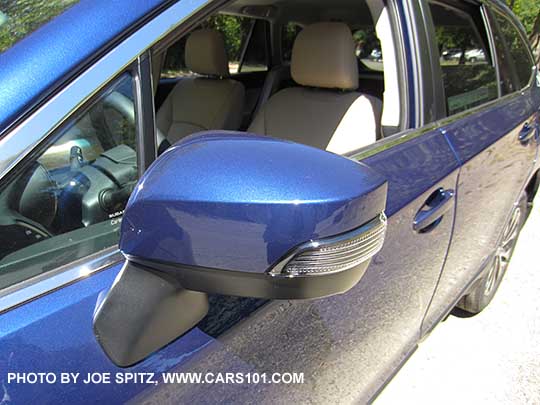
(300, 70)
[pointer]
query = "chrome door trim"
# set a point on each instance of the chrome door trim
(47, 282)
(20, 141)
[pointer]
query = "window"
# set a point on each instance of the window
(288, 34)
(245, 43)
(368, 49)
(515, 63)
(256, 54)
(20, 18)
(66, 201)
(469, 77)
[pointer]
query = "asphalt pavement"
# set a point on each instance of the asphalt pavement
(490, 358)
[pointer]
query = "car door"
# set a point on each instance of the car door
(491, 131)
(345, 346)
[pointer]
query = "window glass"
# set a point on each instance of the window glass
(469, 77)
(67, 200)
(235, 32)
(289, 33)
(20, 18)
(515, 62)
(256, 55)
(368, 49)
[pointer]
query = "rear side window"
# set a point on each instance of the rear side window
(468, 74)
(245, 43)
(368, 49)
(255, 58)
(288, 34)
(20, 18)
(515, 63)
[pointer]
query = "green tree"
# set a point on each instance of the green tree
(528, 11)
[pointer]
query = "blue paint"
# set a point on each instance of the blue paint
(54, 334)
(239, 201)
(413, 167)
(471, 135)
(45, 59)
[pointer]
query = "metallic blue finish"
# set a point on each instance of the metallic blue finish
(347, 345)
(351, 335)
(495, 169)
(35, 65)
(469, 136)
(412, 167)
(54, 334)
(239, 201)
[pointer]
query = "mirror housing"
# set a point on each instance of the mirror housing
(246, 215)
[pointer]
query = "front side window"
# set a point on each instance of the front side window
(469, 77)
(289, 33)
(66, 200)
(515, 63)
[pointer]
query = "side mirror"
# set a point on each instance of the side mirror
(236, 214)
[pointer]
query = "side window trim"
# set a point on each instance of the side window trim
(50, 281)
(144, 112)
(432, 65)
(492, 48)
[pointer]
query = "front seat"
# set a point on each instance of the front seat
(326, 112)
(210, 100)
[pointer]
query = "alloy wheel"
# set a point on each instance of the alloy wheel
(504, 252)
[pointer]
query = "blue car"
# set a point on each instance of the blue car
(229, 202)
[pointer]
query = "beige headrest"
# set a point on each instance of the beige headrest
(323, 56)
(206, 54)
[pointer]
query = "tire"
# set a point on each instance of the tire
(472, 60)
(486, 286)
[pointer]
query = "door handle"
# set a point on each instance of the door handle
(432, 211)
(526, 133)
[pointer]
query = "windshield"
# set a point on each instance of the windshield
(19, 18)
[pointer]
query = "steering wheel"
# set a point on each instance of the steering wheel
(27, 208)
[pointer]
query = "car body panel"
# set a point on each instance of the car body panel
(340, 343)
(495, 169)
(54, 335)
(325, 331)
